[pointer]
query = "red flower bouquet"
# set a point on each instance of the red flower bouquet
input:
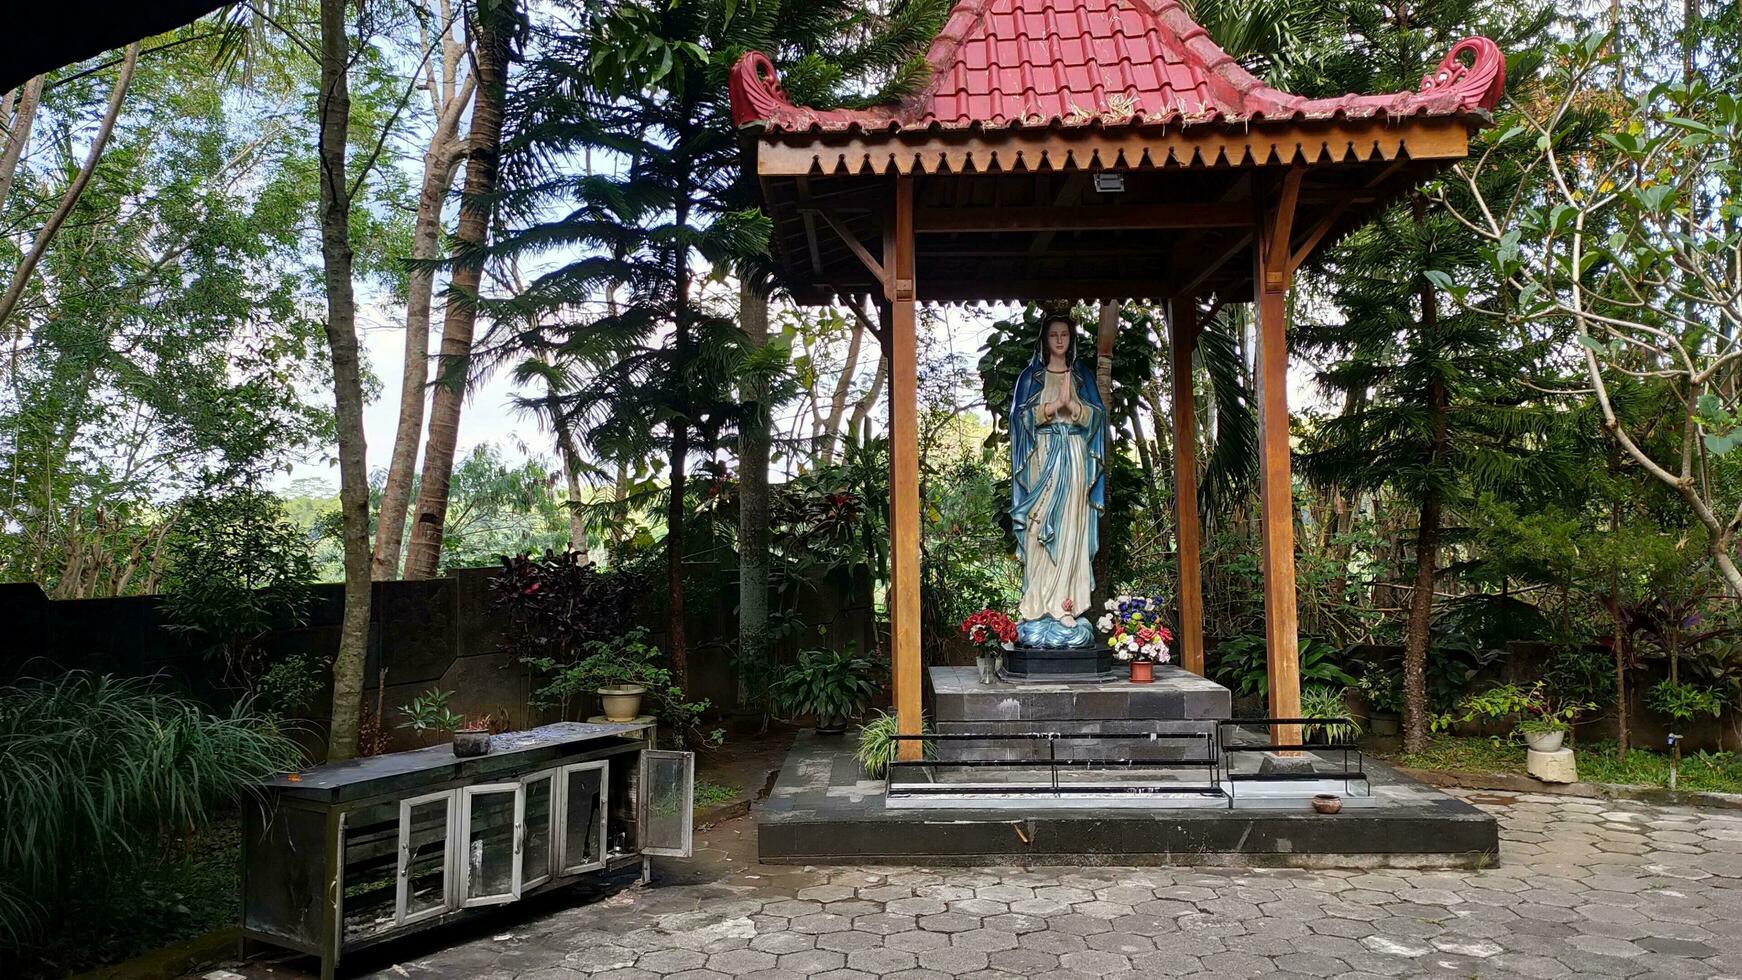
(989, 629)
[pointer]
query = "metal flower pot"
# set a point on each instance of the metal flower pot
(472, 742)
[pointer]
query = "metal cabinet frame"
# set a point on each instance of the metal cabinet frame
(288, 818)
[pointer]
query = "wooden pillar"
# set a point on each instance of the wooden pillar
(1271, 274)
(904, 578)
(1182, 318)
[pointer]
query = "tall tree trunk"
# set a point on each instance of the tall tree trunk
(492, 33)
(831, 426)
(565, 444)
(862, 411)
(341, 328)
(753, 449)
(105, 129)
(1427, 539)
(18, 125)
(440, 162)
(676, 636)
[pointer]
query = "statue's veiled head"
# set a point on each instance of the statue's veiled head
(1058, 336)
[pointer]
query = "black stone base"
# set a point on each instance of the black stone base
(1035, 664)
(823, 810)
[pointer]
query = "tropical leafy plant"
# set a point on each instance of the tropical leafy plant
(429, 712)
(1240, 664)
(1531, 710)
(1326, 701)
(832, 685)
(94, 769)
(1682, 701)
(878, 746)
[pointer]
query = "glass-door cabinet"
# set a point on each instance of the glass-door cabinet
(474, 833)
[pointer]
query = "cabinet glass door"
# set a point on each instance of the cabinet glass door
(538, 829)
(583, 797)
(490, 844)
(667, 802)
(425, 856)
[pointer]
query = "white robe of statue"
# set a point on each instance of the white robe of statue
(1060, 588)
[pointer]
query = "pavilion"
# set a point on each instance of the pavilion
(1093, 150)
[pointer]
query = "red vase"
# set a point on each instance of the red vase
(1142, 672)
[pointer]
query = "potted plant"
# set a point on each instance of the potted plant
(620, 671)
(831, 685)
(1540, 719)
(472, 737)
(992, 632)
(1331, 704)
(1383, 691)
(428, 715)
(1136, 634)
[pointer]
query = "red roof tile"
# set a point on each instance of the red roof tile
(1021, 63)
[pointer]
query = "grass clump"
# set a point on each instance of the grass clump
(99, 779)
(1706, 772)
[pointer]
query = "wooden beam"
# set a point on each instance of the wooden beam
(1182, 316)
(904, 580)
(1088, 217)
(1277, 230)
(1298, 256)
(803, 186)
(1275, 483)
(1332, 142)
(1069, 192)
(1218, 258)
(1016, 288)
(852, 242)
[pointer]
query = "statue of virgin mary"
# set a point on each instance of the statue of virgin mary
(1058, 445)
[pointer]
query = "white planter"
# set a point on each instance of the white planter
(621, 703)
(1544, 741)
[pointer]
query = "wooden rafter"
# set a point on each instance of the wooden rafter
(1106, 217)
(852, 242)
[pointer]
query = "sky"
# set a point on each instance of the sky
(490, 415)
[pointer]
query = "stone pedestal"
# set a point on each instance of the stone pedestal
(1037, 665)
(1551, 767)
(1177, 701)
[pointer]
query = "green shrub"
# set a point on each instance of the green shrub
(1240, 664)
(1325, 701)
(95, 771)
(829, 684)
(878, 746)
(1683, 702)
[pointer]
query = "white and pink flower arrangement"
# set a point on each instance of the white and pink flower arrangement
(1134, 628)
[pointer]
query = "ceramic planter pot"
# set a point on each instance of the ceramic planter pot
(1142, 672)
(1544, 741)
(621, 702)
(1328, 803)
(471, 742)
(830, 725)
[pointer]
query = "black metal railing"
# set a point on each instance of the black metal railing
(1208, 762)
(1345, 774)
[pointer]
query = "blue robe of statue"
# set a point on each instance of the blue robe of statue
(1058, 491)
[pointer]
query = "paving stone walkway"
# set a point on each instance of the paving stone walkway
(1584, 888)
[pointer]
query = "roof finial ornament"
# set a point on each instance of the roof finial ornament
(754, 88)
(1477, 84)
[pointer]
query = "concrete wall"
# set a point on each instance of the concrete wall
(440, 633)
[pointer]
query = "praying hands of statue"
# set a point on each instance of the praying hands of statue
(1063, 408)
